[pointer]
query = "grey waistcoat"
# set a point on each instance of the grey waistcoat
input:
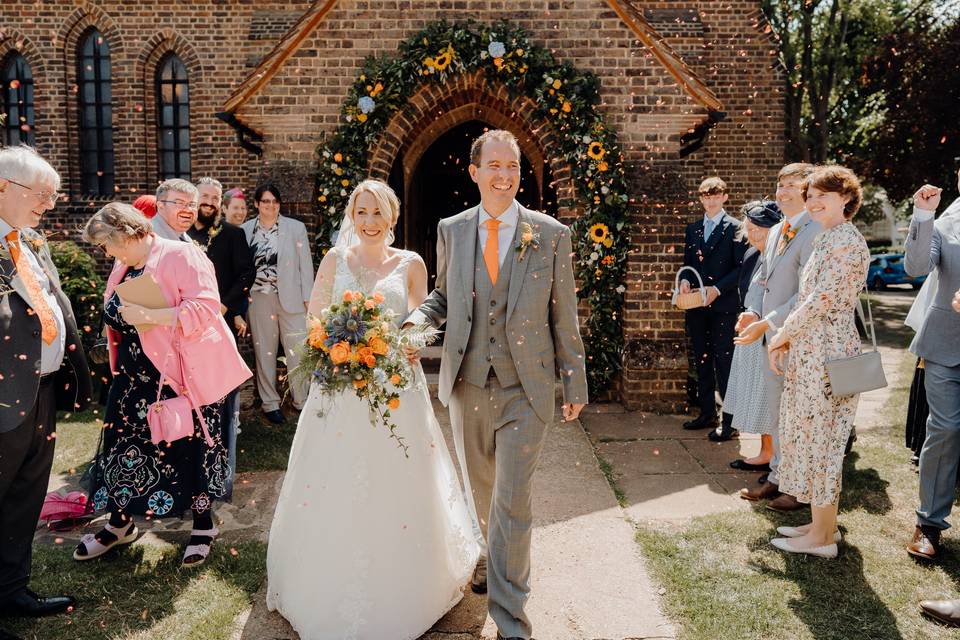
(487, 345)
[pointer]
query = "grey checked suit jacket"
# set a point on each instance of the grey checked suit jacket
(936, 245)
(542, 327)
(294, 262)
(782, 273)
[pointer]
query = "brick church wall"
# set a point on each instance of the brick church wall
(220, 41)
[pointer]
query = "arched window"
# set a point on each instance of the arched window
(173, 118)
(96, 115)
(16, 100)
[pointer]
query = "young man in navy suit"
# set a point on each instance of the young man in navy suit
(712, 248)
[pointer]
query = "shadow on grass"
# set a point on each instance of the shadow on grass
(835, 600)
(863, 488)
(264, 447)
(142, 590)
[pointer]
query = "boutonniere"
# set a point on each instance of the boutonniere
(36, 243)
(785, 239)
(213, 233)
(527, 239)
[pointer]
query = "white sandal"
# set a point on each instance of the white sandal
(202, 550)
(95, 548)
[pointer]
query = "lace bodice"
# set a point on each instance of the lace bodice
(393, 285)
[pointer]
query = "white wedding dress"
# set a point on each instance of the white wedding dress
(367, 544)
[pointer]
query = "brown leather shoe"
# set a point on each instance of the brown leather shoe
(945, 611)
(768, 491)
(925, 543)
(785, 503)
(479, 582)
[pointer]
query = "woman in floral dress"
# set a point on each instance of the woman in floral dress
(134, 475)
(814, 423)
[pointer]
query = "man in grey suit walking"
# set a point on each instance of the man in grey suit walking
(789, 246)
(934, 246)
(42, 367)
(505, 289)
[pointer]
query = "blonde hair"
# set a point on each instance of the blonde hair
(116, 223)
(387, 202)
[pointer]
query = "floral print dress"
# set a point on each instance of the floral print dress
(134, 475)
(815, 424)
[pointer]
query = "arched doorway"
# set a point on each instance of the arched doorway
(436, 185)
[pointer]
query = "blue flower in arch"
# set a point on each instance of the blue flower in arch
(496, 49)
(366, 104)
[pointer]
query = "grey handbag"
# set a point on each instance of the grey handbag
(858, 374)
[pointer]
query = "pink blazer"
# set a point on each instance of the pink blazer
(212, 366)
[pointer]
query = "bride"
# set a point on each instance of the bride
(365, 542)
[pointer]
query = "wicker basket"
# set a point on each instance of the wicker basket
(693, 300)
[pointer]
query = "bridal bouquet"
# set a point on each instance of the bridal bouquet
(354, 344)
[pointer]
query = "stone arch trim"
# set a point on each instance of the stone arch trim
(156, 48)
(85, 17)
(436, 108)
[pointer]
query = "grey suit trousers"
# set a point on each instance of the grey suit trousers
(499, 437)
(270, 326)
(940, 455)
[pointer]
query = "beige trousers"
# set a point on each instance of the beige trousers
(269, 326)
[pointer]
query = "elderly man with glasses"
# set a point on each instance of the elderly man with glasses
(42, 367)
(177, 204)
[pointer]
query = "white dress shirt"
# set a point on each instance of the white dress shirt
(508, 225)
(51, 355)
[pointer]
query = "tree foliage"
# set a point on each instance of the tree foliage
(823, 44)
(912, 135)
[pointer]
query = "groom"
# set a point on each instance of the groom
(506, 290)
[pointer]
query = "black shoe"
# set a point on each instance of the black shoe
(850, 441)
(720, 436)
(27, 604)
(703, 421)
(275, 416)
(742, 465)
(762, 479)
(6, 635)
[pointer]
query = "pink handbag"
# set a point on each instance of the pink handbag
(172, 419)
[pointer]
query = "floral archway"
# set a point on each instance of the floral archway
(567, 100)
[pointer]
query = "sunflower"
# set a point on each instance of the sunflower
(444, 59)
(599, 232)
(596, 150)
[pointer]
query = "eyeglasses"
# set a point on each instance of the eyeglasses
(183, 205)
(44, 196)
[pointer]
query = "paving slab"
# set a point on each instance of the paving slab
(674, 498)
(714, 457)
(648, 457)
(635, 425)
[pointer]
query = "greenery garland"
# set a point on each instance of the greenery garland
(565, 97)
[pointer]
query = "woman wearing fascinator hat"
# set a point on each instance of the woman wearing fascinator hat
(752, 410)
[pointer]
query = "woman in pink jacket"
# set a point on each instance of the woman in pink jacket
(189, 342)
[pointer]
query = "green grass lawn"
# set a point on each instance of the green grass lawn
(723, 580)
(140, 593)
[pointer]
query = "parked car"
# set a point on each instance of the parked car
(887, 269)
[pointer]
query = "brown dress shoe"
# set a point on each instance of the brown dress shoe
(785, 503)
(945, 611)
(925, 543)
(768, 491)
(479, 582)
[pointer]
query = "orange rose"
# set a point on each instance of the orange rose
(317, 337)
(359, 384)
(340, 353)
(365, 355)
(379, 346)
(395, 379)
(369, 303)
(348, 296)
(378, 297)
(394, 403)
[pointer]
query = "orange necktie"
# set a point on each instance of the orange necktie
(782, 244)
(491, 252)
(48, 323)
